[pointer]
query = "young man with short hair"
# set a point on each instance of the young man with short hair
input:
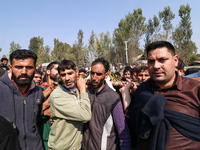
(37, 77)
(21, 100)
(107, 128)
(165, 109)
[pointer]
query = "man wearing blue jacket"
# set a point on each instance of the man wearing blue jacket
(21, 100)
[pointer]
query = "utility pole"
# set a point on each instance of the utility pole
(126, 51)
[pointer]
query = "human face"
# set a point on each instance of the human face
(143, 76)
(54, 72)
(98, 75)
(127, 74)
(134, 76)
(22, 71)
(4, 63)
(161, 66)
(68, 78)
(37, 78)
(81, 73)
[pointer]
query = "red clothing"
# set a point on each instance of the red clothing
(184, 97)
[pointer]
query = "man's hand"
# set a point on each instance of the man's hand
(81, 84)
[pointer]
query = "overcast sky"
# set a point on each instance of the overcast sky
(20, 20)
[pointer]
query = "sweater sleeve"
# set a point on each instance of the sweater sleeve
(122, 127)
(65, 106)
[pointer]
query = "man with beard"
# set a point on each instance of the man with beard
(47, 87)
(21, 100)
(4, 62)
(70, 109)
(107, 128)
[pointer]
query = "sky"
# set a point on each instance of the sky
(20, 20)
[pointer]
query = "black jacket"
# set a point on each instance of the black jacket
(148, 114)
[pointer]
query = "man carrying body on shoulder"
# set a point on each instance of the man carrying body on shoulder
(70, 109)
(107, 129)
(21, 100)
(165, 109)
(48, 87)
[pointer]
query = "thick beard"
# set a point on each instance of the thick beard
(22, 82)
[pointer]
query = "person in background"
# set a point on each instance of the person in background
(70, 109)
(127, 73)
(180, 67)
(142, 74)
(37, 77)
(21, 101)
(107, 128)
(134, 71)
(81, 72)
(45, 122)
(4, 63)
(2, 71)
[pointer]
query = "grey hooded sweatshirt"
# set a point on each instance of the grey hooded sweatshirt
(22, 111)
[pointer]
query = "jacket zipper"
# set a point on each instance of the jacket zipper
(24, 122)
(89, 128)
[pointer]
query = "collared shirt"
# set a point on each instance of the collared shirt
(183, 96)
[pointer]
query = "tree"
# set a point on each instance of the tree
(14, 47)
(61, 51)
(91, 47)
(43, 55)
(130, 29)
(36, 44)
(166, 16)
(153, 28)
(184, 46)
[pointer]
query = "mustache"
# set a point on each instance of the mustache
(25, 75)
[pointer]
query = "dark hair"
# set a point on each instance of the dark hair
(66, 64)
(191, 70)
(160, 44)
(23, 54)
(180, 64)
(82, 70)
(128, 68)
(2, 59)
(103, 61)
(134, 70)
(141, 68)
(37, 71)
(51, 65)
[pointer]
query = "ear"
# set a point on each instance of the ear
(77, 71)
(106, 75)
(176, 60)
(10, 68)
(48, 72)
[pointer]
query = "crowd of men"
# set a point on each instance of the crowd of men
(155, 107)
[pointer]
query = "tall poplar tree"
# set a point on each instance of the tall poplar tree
(184, 46)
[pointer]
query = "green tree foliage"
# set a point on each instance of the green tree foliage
(166, 16)
(152, 30)
(43, 55)
(61, 51)
(36, 44)
(91, 47)
(182, 35)
(130, 29)
(80, 52)
(14, 47)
